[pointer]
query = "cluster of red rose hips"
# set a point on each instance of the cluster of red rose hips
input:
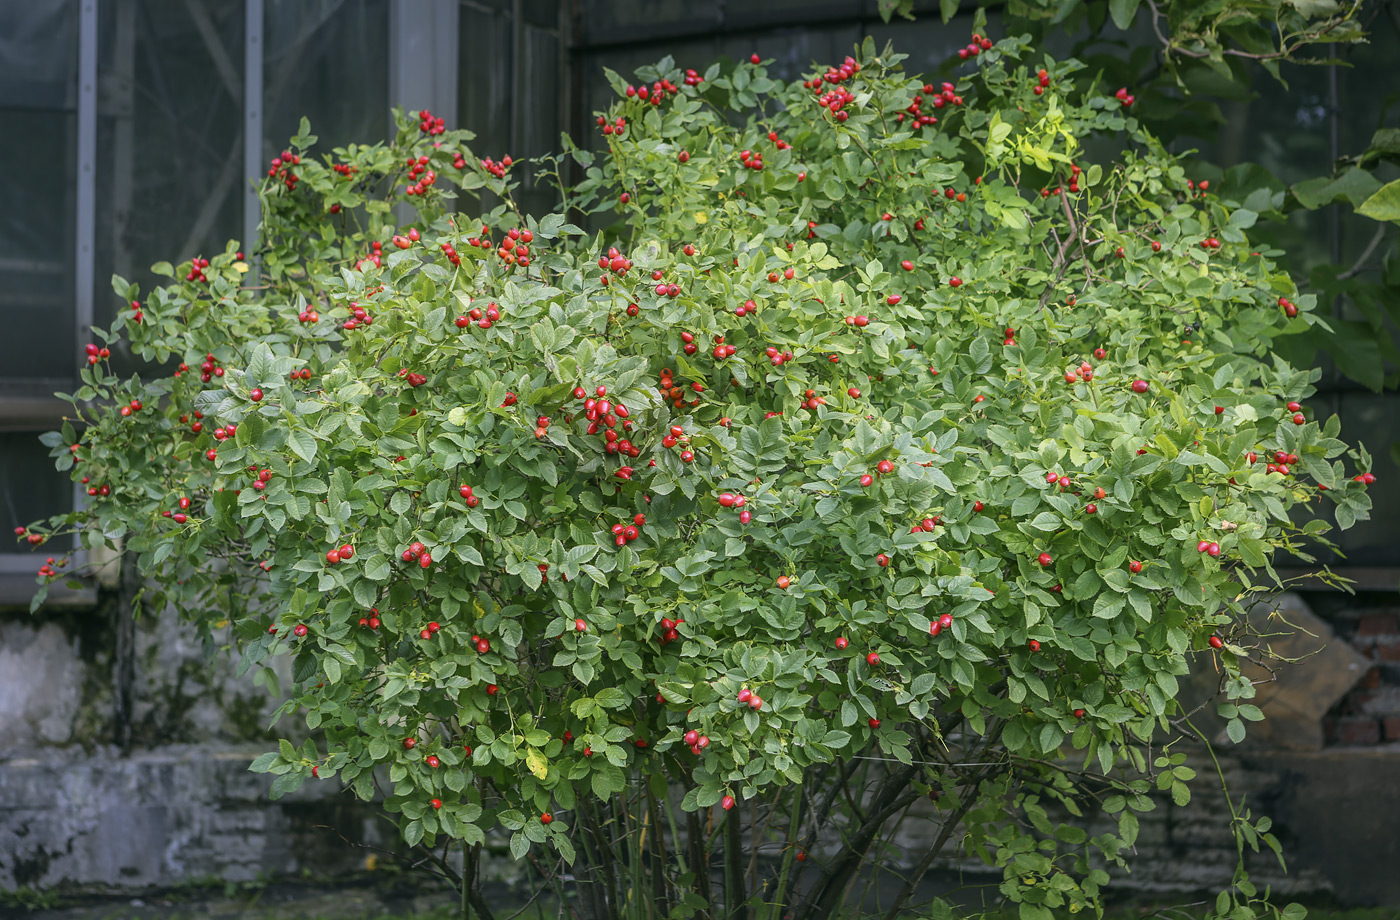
(613, 262)
(414, 379)
(224, 433)
(345, 169)
(483, 318)
(47, 569)
(676, 394)
(836, 100)
(427, 633)
(496, 169)
(734, 500)
(359, 316)
(282, 166)
(662, 88)
(1085, 372)
(810, 399)
(95, 491)
(179, 516)
(619, 126)
(927, 525)
(33, 539)
(137, 315)
(429, 125)
(626, 533)
(129, 408)
(1124, 97)
(696, 741)
(374, 258)
(451, 254)
(978, 44)
(1210, 243)
(95, 353)
(417, 552)
(1208, 547)
(833, 75)
(196, 426)
(1289, 308)
(777, 358)
(1199, 188)
(340, 554)
(197, 267)
(722, 350)
(514, 248)
(883, 468)
(669, 631)
(1074, 188)
(936, 98)
(1281, 464)
(263, 478)
(1042, 81)
(209, 369)
(751, 159)
(945, 622)
(604, 417)
(372, 620)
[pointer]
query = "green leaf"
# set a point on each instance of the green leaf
(1123, 12)
(303, 444)
(1384, 204)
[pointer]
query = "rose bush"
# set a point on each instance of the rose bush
(882, 446)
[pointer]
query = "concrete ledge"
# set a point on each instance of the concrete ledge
(159, 817)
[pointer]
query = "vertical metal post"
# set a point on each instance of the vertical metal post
(1334, 150)
(517, 64)
(86, 219)
(252, 120)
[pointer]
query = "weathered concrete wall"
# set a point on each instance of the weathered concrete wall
(180, 804)
(160, 817)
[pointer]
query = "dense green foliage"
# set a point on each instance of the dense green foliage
(958, 312)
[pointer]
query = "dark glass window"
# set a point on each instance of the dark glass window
(38, 113)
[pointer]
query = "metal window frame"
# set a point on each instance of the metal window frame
(252, 120)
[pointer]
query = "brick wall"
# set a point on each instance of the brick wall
(1370, 713)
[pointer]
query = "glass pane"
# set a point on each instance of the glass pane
(329, 61)
(514, 106)
(38, 86)
(30, 488)
(170, 136)
(606, 22)
(1375, 421)
(484, 84)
